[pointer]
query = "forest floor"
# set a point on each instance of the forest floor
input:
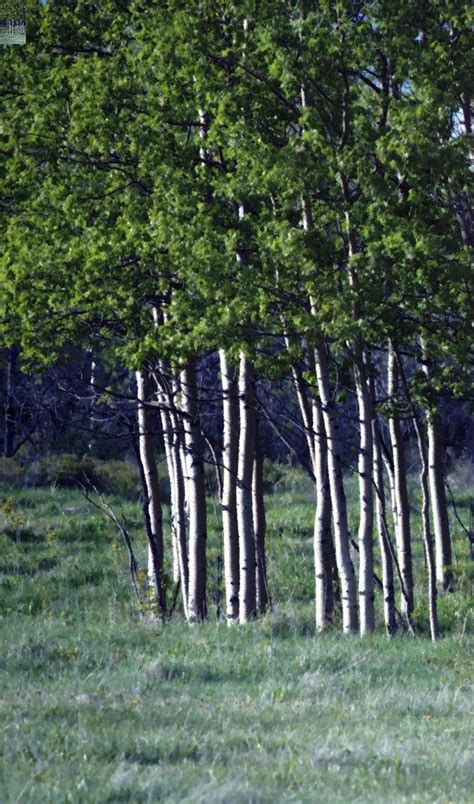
(98, 705)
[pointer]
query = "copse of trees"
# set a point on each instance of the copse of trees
(286, 185)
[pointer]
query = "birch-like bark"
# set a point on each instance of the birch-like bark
(247, 584)
(167, 429)
(152, 488)
(366, 521)
(180, 514)
(172, 437)
(439, 506)
(427, 537)
(338, 499)
(259, 526)
(324, 557)
(401, 514)
(230, 411)
(196, 497)
(388, 590)
(316, 436)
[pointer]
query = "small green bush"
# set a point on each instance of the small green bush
(10, 471)
(63, 470)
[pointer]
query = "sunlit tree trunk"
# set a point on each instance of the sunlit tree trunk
(338, 499)
(180, 513)
(154, 519)
(366, 520)
(259, 525)
(439, 507)
(425, 508)
(230, 410)
(247, 584)
(401, 514)
(172, 436)
(167, 428)
(427, 537)
(388, 590)
(324, 557)
(196, 497)
(436, 472)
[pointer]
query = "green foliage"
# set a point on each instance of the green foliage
(12, 9)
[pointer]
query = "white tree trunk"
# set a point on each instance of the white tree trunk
(366, 521)
(385, 554)
(338, 499)
(259, 526)
(167, 428)
(172, 437)
(401, 514)
(322, 536)
(247, 585)
(196, 497)
(427, 537)
(230, 410)
(439, 507)
(152, 488)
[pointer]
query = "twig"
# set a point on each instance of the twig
(106, 509)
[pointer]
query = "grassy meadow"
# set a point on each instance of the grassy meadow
(99, 705)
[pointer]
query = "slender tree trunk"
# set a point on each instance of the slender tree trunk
(324, 556)
(366, 522)
(152, 488)
(172, 437)
(439, 507)
(180, 514)
(247, 585)
(402, 513)
(10, 410)
(167, 429)
(259, 525)
(230, 410)
(385, 554)
(338, 499)
(427, 537)
(196, 496)
(306, 412)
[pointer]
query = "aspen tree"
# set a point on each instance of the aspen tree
(146, 434)
(196, 495)
(245, 464)
(230, 412)
(401, 514)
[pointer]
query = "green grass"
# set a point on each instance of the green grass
(98, 705)
(12, 39)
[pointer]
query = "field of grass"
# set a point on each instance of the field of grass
(12, 39)
(99, 705)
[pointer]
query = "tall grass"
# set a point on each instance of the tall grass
(97, 704)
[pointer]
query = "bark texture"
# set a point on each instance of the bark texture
(196, 496)
(439, 506)
(230, 410)
(338, 499)
(366, 521)
(259, 526)
(247, 584)
(388, 590)
(149, 472)
(401, 513)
